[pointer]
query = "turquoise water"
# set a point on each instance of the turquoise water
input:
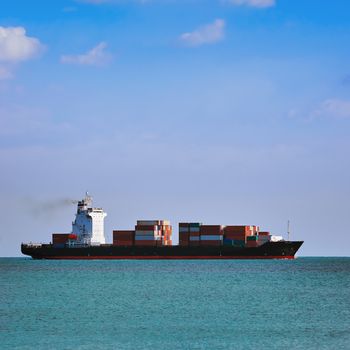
(301, 304)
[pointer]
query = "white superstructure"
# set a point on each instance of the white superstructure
(89, 223)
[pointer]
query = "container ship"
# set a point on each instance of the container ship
(152, 239)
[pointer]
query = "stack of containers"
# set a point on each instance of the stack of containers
(147, 233)
(194, 233)
(211, 235)
(153, 233)
(237, 235)
(184, 234)
(124, 238)
(252, 241)
(166, 232)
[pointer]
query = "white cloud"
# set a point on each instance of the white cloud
(253, 3)
(208, 34)
(333, 108)
(95, 57)
(16, 46)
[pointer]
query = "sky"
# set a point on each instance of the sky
(217, 111)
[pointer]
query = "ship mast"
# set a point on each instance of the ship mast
(288, 229)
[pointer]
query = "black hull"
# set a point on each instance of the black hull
(270, 250)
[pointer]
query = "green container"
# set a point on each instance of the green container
(233, 242)
(252, 238)
(195, 224)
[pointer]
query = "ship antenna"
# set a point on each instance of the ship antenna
(288, 229)
(88, 198)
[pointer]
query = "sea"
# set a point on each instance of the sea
(231, 304)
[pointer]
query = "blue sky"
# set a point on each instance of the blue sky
(231, 112)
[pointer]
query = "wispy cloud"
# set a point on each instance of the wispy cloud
(332, 108)
(21, 120)
(253, 3)
(97, 56)
(208, 34)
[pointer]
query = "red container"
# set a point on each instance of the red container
(123, 235)
(124, 232)
(234, 236)
(73, 237)
(184, 224)
(184, 235)
(252, 244)
(237, 229)
(123, 238)
(194, 243)
(146, 227)
(60, 238)
(195, 234)
(264, 233)
(210, 230)
(237, 232)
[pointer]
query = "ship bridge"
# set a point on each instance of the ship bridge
(89, 223)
